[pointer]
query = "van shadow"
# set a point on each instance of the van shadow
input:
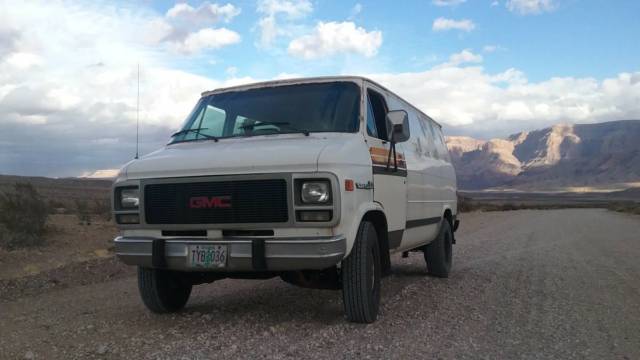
(273, 302)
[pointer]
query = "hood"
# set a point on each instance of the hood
(251, 155)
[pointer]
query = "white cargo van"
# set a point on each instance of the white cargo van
(314, 180)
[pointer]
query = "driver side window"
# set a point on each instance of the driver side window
(209, 121)
(376, 115)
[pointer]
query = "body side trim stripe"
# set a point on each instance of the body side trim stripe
(422, 222)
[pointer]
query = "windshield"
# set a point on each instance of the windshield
(303, 108)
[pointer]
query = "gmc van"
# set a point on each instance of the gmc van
(317, 181)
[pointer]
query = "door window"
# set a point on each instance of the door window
(378, 110)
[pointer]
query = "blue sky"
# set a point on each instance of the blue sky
(576, 38)
(482, 68)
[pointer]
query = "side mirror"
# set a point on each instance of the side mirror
(397, 126)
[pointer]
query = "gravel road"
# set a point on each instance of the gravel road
(525, 284)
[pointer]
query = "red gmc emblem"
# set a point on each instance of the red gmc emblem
(210, 202)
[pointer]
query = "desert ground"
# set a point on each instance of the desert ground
(526, 284)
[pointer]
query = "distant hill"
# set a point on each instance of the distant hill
(561, 156)
(64, 191)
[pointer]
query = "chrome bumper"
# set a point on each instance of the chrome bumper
(263, 254)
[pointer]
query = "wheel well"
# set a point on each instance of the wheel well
(449, 216)
(379, 221)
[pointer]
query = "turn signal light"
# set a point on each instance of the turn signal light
(128, 218)
(314, 215)
(348, 185)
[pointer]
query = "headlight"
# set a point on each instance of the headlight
(129, 198)
(315, 192)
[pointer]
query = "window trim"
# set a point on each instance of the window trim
(369, 106)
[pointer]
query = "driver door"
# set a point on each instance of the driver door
(390, 182)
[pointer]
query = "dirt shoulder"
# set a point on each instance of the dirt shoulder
(66, 242)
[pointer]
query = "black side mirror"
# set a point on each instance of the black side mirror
(397, 126)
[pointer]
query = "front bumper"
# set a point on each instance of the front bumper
(263, 254)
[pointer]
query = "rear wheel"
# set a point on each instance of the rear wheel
(163, 291)
(361, 277)
(439, 253)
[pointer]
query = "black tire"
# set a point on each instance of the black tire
(439, 253)
(361, 277)
(162, 291)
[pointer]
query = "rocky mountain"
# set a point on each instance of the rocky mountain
(562, 156)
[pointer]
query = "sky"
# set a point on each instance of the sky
(482, 68)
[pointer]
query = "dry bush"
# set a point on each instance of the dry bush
(102, 207)
(82, 211)
(23, 216)
(464, 204)
(57, 206)
(626, 207)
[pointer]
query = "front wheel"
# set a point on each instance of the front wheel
(439, 253)
(163, 291)
(361, 277)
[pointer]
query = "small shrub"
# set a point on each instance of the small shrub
(82, 211)
(102, 207)
(626, 207)
(56, 207)
(464, 204)
(23, 216)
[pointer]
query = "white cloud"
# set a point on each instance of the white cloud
(329, 38)
(204, 14)
(231, 71)
(187, 30)
(278, 16)
(101, 174)
(447, 2)
(293, 9)
(75, 102)
(9, 39)
(206, 39)
(503, 103)
(526, 7)
(490, 48)
(444, 24)
(465, 56)
(24, 60)
(355, 10)
(269, 30)
(493, 48)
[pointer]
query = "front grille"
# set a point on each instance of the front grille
(245, 201)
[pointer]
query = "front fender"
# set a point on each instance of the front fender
(352, 229)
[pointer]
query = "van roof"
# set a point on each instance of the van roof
(318, 79)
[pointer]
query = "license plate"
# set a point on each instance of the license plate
(207, 256)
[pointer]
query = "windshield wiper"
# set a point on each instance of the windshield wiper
(276, 123)
(184, 131)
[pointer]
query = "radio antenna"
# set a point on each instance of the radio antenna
(138, 114)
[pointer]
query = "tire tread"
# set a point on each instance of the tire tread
(156, 294)
(357, 303)
(434, 253)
